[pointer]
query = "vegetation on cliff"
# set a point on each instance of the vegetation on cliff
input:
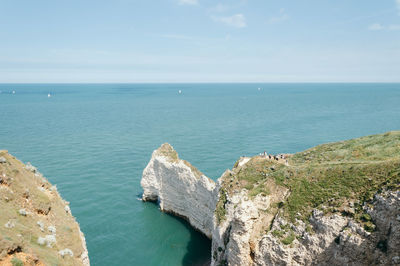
(167, 151)
(36, 225)
(334, 177)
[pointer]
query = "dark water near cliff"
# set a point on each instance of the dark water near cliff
(93, 141)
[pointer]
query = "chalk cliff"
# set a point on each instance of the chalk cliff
(180, 188)
(36, 224)
(334, 204)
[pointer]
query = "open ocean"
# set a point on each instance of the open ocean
(94, 140)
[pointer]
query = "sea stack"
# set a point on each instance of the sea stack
(180, 188)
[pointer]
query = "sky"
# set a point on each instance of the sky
(54, 41)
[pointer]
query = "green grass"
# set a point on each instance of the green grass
(338, 173)
(254, 174)
(332, 175)
(169, 152)
(261, 189)
(314, 186)
(16, 262)
(220, 210)
(289, 239)
(365, 149)
(278, 233)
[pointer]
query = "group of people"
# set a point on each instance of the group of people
(274, 157)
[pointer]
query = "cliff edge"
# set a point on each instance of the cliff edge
(36, 224)
(334, 204)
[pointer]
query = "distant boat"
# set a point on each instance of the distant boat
(259, 89)
(179, 91)
(48, 95)
(13, 92)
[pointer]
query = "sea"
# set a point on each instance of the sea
(94, 140)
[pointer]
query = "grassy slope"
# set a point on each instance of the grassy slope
(20, 189)
(333, 176)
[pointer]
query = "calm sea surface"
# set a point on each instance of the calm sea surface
(94, 141)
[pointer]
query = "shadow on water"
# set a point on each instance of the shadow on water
(199, 246)
(198, 249)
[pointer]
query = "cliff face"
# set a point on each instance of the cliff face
(336, 204)
(36, 224)
(336, 239)
(180, 189)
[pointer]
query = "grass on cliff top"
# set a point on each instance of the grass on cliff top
(360, 150)
(336, 186)
(331, 175)
(168, 151)
(195, 171)
(19, 189)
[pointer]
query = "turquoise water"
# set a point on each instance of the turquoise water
(94, 141)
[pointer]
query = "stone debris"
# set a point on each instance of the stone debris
(67, 209)
(9, 224)
(41, 225)
(41, 241)
(48, 240)
(53, 188)
(3, 160)
(26, 193)
(3, 180)
(52, 229)
(66, 252)
(30, 167)
(22, 212)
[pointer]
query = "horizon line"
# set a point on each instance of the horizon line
(216, 82)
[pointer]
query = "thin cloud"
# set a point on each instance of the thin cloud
(379, 27)
(398, 5)
(177, 37)
(280, 18)
(375, 27)
(188, 2)
(237, 21)
(196, 39)
(219, 8)
(394, 27)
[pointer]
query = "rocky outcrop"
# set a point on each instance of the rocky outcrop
(180, 189)
(249, 212)
(335, 239)
(35, 226)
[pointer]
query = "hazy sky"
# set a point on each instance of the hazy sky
(199, 41)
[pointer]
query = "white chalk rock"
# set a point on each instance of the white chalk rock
(66, 252)
(180, 188)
